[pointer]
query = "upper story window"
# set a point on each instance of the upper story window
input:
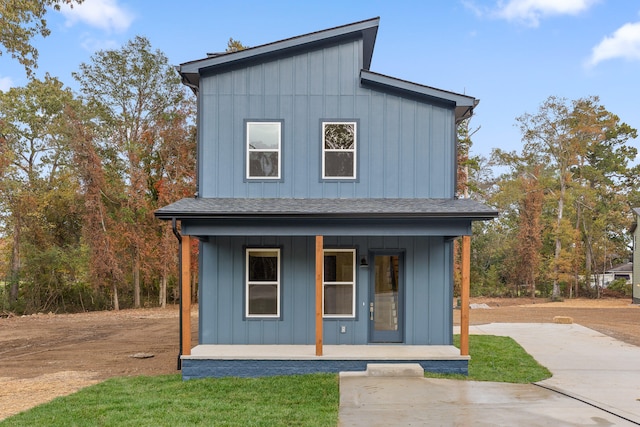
(262, 293)
(264, 149)
(339, 140)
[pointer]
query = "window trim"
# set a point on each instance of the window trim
(248, 283)
(248, 151)
(353, 251)
(323, 150)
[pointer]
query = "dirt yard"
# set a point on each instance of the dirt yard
(46, 355)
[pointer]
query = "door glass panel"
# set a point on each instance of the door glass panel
(386, 293)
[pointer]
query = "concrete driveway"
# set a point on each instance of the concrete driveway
(595, 382)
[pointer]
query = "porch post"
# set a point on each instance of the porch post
(186, 295)
(319, 265)
(464, 295)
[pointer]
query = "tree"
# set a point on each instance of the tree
(235, 46)
(20, 21)
(38, 195)
(574, 153)
(135, 90)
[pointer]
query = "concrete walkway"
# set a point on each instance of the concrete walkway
(596, 382)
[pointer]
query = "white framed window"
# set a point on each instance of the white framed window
(264, 149)
(339, 283)
(262, 292)
(339, 144)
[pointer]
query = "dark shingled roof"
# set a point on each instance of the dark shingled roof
(203, 208)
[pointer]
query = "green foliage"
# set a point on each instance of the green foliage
(21, 21)
(576, 155)
(307, 400)
(498, 359)
(621, 287)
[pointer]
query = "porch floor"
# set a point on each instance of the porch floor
(330, 352)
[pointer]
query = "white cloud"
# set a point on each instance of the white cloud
(530, 12)
(92, 44)
(624, 43)
(5, 84)
(104, 14)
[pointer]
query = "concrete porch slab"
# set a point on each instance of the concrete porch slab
(265, 360)
(330, 352)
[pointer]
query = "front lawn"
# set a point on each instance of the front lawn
(297, 400)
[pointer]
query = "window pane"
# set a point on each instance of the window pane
(263, 299)
(338, 164)
(339, 136)
(338, 299)
(263, 266)
(264, 135)
(338, 266)
(263, 163)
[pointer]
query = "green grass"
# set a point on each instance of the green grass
(302, 400)
(299, 400)
(498, 359)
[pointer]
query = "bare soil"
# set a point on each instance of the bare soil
(47, 355)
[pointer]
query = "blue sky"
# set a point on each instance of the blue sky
(510, 54)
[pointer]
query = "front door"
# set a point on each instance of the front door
(386, 311)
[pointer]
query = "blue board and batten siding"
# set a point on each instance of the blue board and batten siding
(405, 150)
(405, 147)
(427, 296)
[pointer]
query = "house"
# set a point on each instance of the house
(635, 231)
(619, 272)
(325, 211)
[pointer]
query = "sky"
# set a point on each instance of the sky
(510, 54)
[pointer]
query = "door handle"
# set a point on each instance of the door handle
(370, 311)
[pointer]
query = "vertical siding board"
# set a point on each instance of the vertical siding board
(438, 154)
(437, 277)
(286, 76)
(376, 141)
(331, 72)
(392, 139)
(240, 82)
(407, 150)
(423, 144)
(225, 170)
(301, 71)
(316, 75)
(364, 145)
(301, 155)
(256, 80)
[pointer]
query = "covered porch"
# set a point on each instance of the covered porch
(317, 219)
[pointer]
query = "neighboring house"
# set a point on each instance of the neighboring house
(635, 231)
(622, 271)
(325, 211)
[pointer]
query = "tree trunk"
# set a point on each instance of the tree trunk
(116, 302)
(15, 263)
(136, 280)
(163, 291)
(556, 265)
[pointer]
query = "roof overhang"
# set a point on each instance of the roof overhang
(463, 104)
(348, 217)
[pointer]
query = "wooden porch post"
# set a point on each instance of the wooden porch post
(319, 265)
(464, 295)
(186, 295)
